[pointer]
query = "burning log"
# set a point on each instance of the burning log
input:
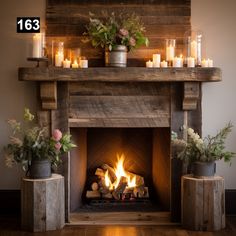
(120, 188)
(102, 187)
(139, 179)
(94, 186)
(108, 196)
(99, 172)
(93, 194)
(141, 192)
(111, 172)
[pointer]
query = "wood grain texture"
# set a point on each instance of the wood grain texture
(162, 20)
(48, 95)
(43, 205)
(129, 74)
(203, 206)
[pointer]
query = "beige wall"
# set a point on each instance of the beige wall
(14, 95)
(215, 17)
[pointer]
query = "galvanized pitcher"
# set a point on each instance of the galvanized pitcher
(117, 57)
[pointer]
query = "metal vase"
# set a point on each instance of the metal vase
(204, 168)
(40, 169)
(117, 57)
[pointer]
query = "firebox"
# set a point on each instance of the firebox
(120, 170)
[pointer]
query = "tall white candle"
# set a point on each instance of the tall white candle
(190, 62)
(194, 49)
(66, 63)
(164, 64)
(170, 53)
(156, 59)
(149, 64)
(59, 58)
(37, 46)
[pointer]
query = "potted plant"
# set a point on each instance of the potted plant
(30, 146)
(117, 35)
(201, 154)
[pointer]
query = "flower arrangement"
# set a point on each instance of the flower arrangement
(112, 30)
(211, 148)
(30, 142)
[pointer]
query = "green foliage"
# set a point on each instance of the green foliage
(111, 30)
(31, 143)
(211, 148)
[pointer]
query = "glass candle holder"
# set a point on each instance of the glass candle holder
(194, 45)
(170, 50)
(57, 53)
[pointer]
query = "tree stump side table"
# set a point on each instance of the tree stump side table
(43, 204)
(203, 203)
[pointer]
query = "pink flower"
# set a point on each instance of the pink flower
(123, 32)
(57, 135)
(58, 146)
(132, 41)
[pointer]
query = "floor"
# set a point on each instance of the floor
(10, 226)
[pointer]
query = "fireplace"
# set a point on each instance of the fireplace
(145, 153)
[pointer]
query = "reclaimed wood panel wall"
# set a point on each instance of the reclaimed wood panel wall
(67, 19)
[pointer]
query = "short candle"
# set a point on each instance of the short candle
(149, 64)
(156, 59)
(190, 62)
(75, 64)
(66, 63)
(164, 64)
(83, 63)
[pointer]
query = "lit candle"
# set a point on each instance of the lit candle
(170, 53)
(204, 63)
(194, 49)
(210, 63)
(178, 62)
(37, 46)
(149, 64)
(83, 63)
(66, 64)
(75, 64)
(59, 58)
(156, 59)
(164, 64)
(190, 62)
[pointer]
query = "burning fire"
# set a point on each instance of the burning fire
(120, 172)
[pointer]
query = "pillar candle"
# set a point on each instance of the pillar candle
(37, 46)
(66, 63)
(178, 62)
(75, 64)
(164, 64)
(59, 58)
(190, 62)
(170, 53)
(149, 64)
(83, 63)
(210, 63)
(156, 59)
(194, 49)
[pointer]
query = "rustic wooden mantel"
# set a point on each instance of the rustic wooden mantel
(49, 76)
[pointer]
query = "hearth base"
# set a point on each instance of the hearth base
(121, 218)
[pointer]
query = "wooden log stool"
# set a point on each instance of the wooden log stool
(43, 204)
(203, 203)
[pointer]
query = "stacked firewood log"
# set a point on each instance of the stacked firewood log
(122, 191)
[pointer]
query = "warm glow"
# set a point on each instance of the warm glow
(119, 172)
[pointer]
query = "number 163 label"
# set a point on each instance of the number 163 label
(28, 24)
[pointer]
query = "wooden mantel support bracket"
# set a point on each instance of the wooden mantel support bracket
(48, 95)
(191, 95)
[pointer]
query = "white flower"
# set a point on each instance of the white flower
(190, 131)
(9, 160)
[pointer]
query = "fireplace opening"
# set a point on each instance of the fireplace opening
(120, 169)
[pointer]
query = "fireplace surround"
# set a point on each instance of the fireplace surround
(88, 103)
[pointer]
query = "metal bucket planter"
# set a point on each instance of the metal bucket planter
(117, 57)
(204, 168)
(40, 169)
